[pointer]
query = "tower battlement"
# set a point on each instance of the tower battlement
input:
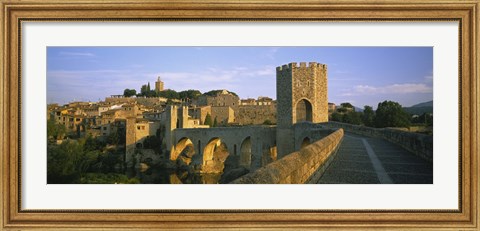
(302, 65)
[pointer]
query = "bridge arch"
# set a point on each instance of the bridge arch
(246, 153)
(181, 145)
(214, 155)
(306, 141)
(304, 110)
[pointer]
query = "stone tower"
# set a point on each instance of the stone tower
(301, 96)
(158, 85)
(130, 140)
(176, 118)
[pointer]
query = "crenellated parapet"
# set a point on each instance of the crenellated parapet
(294, 65)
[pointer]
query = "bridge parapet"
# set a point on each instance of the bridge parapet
(418, 144)
(303, 166)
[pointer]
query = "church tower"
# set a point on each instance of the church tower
(159, 85)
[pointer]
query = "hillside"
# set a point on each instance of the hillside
(424, 104)
(419, 109)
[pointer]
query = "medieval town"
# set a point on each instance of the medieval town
(160, 136)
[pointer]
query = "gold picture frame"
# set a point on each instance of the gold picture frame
(14, 12)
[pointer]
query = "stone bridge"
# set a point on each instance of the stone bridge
(250, 147)
(352, 154)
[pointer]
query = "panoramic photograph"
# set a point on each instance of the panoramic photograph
(239, 115)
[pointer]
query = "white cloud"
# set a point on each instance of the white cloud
(428, 78)
(215, 78)
(403, 88)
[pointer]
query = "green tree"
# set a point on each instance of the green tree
(353, 117)
(129, 92)
(143, 90)
(113, 138)
(208, 120)
(346, 105)
(189, 94)
(368, 116)
(268, 122)
(342, 110)
(336, 117)
(169, 102)
(92, 143)
(215, 122)
(169, 94)
(215, 92)
(425, 118)
(55, 130)
(153, 142)
(67, 162)
(151, 93)
(391, 114)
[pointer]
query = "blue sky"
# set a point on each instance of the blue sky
(359, 75)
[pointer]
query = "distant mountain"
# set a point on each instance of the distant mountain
(419, 109)
(424, 104)
(357, 109)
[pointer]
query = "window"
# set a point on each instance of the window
(77, 119)
(138, 127)
(104, 128)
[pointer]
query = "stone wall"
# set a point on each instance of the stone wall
(418, 144)
(303, 166)
(223, 114)
(219, 100)
(151, 101)
(255, 114)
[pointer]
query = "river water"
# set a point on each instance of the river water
(168, 176)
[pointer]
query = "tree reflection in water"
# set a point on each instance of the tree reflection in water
(169, 176)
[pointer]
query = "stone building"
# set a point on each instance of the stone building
(223, 114)
(249, 102)
(262, 100)
(137, 130)
(223, 98)
(331, 107)
(200, 112)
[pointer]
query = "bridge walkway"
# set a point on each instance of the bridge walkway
(366, 160)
